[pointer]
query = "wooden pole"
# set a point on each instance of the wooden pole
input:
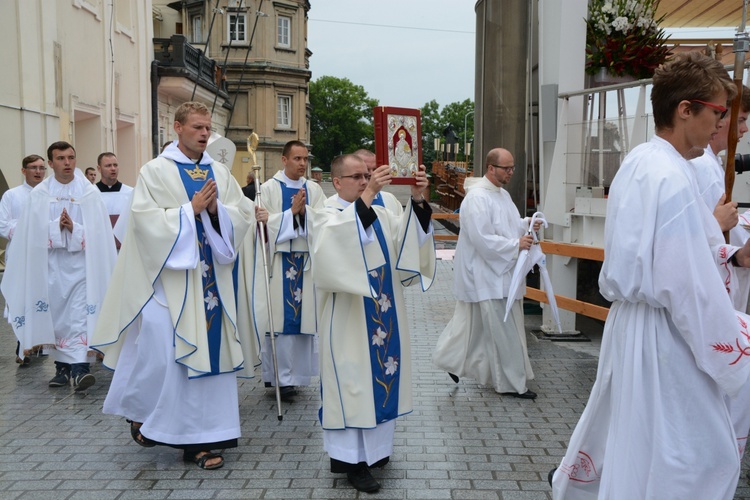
(741, 43)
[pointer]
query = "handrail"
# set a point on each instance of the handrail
(554, 248)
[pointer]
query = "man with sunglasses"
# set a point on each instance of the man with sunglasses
(11, 205)
(363, 255)
(478, 343)
(656, 424)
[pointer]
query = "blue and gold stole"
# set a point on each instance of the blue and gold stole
(383, 337)
(194, 177)
(292, 267)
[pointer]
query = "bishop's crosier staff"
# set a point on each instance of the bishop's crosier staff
(252, 146)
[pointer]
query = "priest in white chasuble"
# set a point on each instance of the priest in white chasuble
(656, 424)
(286, 196)
(175, 325)
(362, 256)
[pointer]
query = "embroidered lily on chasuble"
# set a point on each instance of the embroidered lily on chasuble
(383, 333)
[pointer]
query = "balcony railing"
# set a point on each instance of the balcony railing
(176, 55)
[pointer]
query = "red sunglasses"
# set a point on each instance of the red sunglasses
(720, 109)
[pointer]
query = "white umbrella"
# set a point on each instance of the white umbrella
(527, 259)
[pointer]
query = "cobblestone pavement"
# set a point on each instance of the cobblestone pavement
(462, 441)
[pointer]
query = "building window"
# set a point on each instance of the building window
(237, 28)
(196, 23)
(283, 37)
(284, 111)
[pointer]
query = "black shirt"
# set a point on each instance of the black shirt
(106, 189)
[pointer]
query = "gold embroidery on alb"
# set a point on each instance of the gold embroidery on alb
(197, 174)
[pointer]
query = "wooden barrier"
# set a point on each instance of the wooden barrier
(553, 248)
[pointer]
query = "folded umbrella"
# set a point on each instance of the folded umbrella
(527, 259)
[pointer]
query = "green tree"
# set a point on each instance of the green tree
(340, 118)
(431, 130)
(455, 114)
(435, 121)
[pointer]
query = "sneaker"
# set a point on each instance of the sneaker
(62, 376)
(83, 381)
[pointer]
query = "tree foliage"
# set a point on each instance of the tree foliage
(340, 118)
(435, 121)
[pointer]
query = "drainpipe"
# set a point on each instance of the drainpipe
(155, 108)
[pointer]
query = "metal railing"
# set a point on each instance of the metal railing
(553, 248)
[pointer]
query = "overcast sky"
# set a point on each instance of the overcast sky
(403, 52)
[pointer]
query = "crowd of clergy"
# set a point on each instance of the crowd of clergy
(166, 283)
(183, 283)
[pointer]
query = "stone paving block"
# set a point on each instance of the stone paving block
(335, 493)
(288, 494)
(94, 495)
(26, 485)
(475, 495)
(248, 493)
(28, 475)
(192, 494)
(525, 495)
(495, 484)
(91, 484)
(80, 475)
(144, 495)
(38, 495)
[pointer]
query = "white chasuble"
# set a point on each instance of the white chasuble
(362, 375)
(148, 268)
(292, 290)
(57, 279)
(656, 425)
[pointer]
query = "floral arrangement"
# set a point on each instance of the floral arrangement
(624, 37)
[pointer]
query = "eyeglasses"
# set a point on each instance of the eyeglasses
(720, 109)
(356, 177)
(38, 169)
(507, 169)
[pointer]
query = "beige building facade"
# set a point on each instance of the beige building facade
(108, 75)
(77, 70)
(260, 49)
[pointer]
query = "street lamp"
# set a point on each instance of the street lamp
(466, 141)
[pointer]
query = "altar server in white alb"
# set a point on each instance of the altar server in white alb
(115, 194)
(709, 172)
(477, 342)
(172, 326)
(11, 205)
(62, 257)
(656, 424)
(362, 256)
(286, 196)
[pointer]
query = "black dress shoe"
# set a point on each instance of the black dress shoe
(550, 475)
(362, 480)
(453, 377)
(525, 395)
(288, 390)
